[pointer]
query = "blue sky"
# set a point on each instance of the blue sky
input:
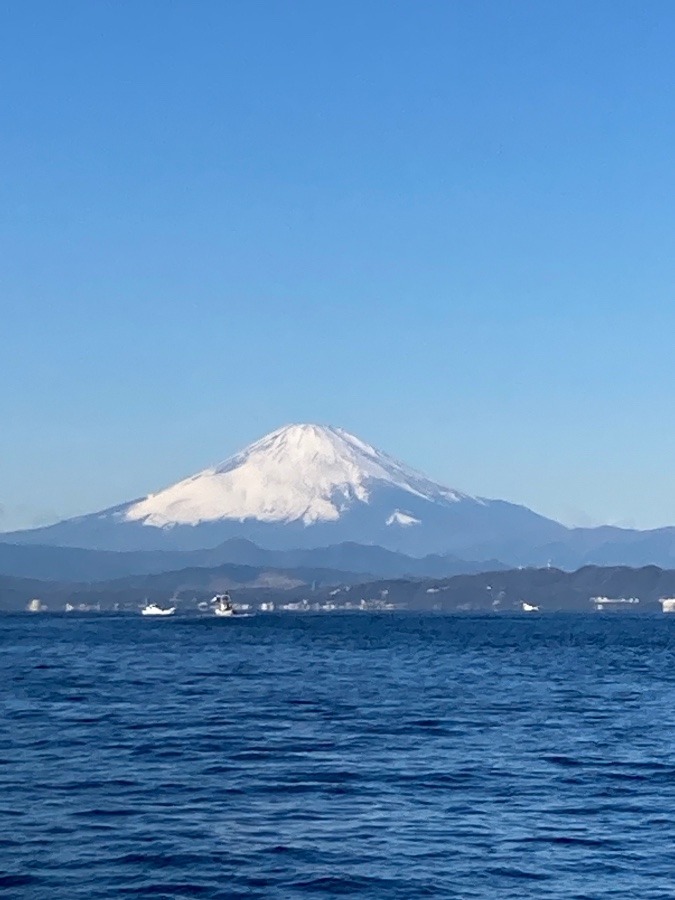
(447, 227)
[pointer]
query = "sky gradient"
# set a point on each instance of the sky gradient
(446, 227)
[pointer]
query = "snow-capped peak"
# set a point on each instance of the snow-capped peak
(308, 473)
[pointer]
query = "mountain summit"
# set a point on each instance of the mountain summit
(308, 486)
(300, 473)
(316, 486)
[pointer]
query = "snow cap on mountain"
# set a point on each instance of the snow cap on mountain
(306, 473)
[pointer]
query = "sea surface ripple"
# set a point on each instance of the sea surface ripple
(375, 756)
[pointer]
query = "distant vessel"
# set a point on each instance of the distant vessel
(222, 605)
(528, 607)
(667, 604)
(69, 607)
(35, 606)
(151, 609)
(613, 603)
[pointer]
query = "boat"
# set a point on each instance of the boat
(151, 609)
(222, 605)
(529, 607)
(613, 603)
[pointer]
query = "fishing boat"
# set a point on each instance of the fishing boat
(222, 605)
(151, 609)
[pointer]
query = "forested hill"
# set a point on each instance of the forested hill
(551, 590)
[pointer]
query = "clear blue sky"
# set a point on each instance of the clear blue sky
(448, 227)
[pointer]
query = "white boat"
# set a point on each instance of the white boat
(69, 607)
(222, 605)
(529, 607)
(151, 609)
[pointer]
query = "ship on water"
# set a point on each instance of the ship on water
(151, 609)
(222, 605)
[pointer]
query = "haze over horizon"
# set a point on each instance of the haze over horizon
(446, 228)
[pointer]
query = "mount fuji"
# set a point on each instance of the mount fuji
(309, 486)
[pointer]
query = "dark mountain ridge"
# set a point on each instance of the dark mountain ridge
(79, 564)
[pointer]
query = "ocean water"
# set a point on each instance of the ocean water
(375, 756)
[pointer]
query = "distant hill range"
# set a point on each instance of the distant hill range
(77, 564)
(551, 590)
(305, 487)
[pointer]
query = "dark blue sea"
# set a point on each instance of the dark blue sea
(315, 756)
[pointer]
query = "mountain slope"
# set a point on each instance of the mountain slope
(301, 473)
(307, 486)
